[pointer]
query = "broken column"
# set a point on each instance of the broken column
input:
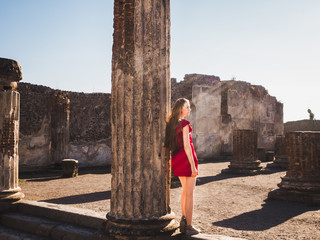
(60, 121)
(245, 154)
(302, 180)
(140, 103)
(280, 158)
(10, 74)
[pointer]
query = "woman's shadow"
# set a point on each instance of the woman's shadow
(272, 213)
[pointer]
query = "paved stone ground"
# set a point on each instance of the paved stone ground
(228, 205)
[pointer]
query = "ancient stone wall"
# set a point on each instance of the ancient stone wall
(89, 127)
(302, 125)
(184, 88)
(229, 105)
(34, 144)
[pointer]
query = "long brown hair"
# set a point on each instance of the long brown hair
(172, 123)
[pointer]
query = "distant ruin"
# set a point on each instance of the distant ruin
(229, 105)
(217, 108)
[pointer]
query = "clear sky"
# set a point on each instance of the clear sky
(66, 44)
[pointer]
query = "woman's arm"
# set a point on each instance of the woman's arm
(187, 149)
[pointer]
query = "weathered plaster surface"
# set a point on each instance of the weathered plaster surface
(229, 105)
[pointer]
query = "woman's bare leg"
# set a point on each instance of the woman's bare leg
(188, 185)
(183, 196)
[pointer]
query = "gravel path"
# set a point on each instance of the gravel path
(230, 205)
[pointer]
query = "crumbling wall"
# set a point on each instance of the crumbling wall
(34, 137)
(229, 105)
(183, 89)
(89, 127)
(90, 132)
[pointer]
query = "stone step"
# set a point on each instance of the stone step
(44, 227)
(62, 213)
(7, 233)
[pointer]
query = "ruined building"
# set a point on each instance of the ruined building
(218, 107)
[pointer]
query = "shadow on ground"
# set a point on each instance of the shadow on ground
(219, 177)
(215, 178)
(81, 198)
(57, 174)
(272, 213)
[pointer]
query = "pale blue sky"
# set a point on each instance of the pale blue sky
(67, 44)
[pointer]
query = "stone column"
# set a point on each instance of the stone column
(140, 102)
(245, 154)
(302, 180)
(280, 158)
(60, 120)
(10, 74)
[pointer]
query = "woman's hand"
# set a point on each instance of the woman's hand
(194, 172)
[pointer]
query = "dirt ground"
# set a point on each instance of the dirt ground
(230, 205)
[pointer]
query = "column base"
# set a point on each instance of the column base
(295, 196)
(243, 167)
(279, 162)
(11, 196)
(139, 228)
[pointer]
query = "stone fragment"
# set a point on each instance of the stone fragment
(261, 154)
(70, 168)
(269, 156)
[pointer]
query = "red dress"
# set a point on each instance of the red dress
(180, 163)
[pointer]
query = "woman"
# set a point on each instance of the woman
(184, 160)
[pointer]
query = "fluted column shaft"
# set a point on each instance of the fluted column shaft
(245, 145)
(60, 121)
(303, 152)
(10, 73)
(280, 158)
(140, 102)
(302, 180)
(245, 153)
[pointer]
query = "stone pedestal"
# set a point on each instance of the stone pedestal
(302, 180)
(70, 168)
(261, 154)
(10, 74)
(60, 121)
(140, 103)
(245, 155)
(269, 156)
(280, 158)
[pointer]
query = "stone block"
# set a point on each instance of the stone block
(70, 168)
(269, 156)
(261, 154)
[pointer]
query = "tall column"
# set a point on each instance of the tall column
(60, 121)
(280, 158)
(10, 74)
(302, 180)
(245, 153)
(140, 102)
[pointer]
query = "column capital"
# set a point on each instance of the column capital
(10, 74)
